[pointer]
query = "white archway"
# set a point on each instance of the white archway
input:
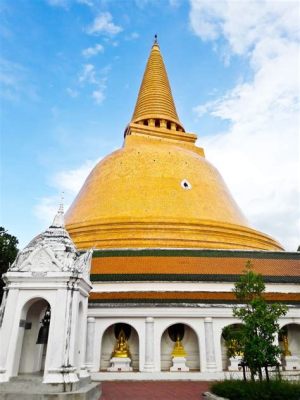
(292, 331)
(30, 357)
(189, 340)
(109, 340)
(224, 344)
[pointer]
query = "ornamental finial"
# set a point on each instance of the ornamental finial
(58, 221)
(155, 39)
(61, 205)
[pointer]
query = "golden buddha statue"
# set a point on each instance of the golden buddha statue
(178, 350)
(121, 349)
(234, 348)
(286, 351)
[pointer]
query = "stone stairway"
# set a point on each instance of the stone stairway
(31, 387)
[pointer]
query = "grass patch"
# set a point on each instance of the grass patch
(273, 390)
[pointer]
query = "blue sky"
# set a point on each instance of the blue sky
(70, 74)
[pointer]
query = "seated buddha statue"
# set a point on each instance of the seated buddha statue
(121, 349)
(286, 351)
(178, 350)
(235, 348)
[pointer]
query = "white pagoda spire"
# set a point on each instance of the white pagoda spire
(59, 219)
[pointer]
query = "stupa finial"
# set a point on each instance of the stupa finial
(61, 205)
(155, 39)
(59, 219)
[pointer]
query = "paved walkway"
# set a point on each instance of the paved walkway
(158, 390)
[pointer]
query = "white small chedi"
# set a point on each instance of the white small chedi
(48, 274)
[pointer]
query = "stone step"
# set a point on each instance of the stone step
(36, 378)
(32, 386)
(92, 391)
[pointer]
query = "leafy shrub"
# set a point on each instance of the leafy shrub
(273, 390)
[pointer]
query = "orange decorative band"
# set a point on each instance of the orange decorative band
(185, 297)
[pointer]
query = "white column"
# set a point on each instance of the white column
(90, 333)
(209, 344)
(57, 363)
(83, 340)
(149, 345)
(72, 328)
(10, 333)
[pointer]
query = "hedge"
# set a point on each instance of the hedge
(273, 390)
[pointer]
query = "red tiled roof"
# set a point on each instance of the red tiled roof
(197, 264)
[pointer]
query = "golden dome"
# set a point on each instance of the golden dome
(158, 190)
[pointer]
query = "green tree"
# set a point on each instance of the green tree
(8, 253)
(260, 322)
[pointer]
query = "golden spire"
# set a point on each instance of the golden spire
(155, 105)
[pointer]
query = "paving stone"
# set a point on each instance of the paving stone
(183, 390)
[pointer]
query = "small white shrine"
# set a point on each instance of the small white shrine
(44, 310)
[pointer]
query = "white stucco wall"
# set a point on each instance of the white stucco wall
(193, 317)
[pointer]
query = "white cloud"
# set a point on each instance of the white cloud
(259, 154)
(260, 18)
(46, 208)
(174, 3)
(98, 96)
(103, 24)
(58, 3)
(88, 74)
(66, 3)
(68, 182)
(98, 79)
(15, 82)
(133, 36)
(93, 51)
(146, 3)
(72, 93)
(105, 70)
(88, 3)
(142, 3)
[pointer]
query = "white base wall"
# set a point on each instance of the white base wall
(205, 354)
(177, 376)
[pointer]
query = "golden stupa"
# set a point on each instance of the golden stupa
(158, 190)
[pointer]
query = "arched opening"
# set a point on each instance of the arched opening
(109, 340)
(34, 329)
(289, 341)
(230, 346)
(189, 341)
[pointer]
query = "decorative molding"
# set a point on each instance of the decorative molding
(83, 264)
(247, 254)
(187, 278)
